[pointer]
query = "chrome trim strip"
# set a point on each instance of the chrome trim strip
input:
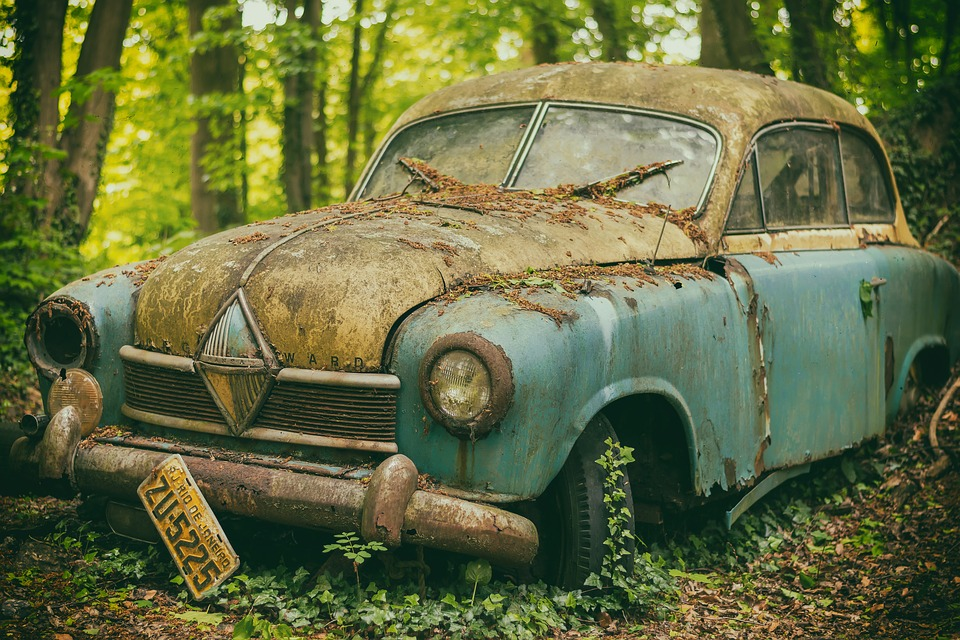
(130, 353)
(340, 378)
(258, 433)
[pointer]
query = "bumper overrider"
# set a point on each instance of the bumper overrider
(387, 507)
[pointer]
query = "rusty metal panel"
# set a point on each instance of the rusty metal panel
(918, 307)
(823, 355)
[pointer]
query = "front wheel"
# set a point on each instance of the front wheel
(573, 526)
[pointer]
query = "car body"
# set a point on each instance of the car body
(712, 267)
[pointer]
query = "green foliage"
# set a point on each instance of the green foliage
(923, 141)
(348, 543)
(626, 583)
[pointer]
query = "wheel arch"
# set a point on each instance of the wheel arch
(932, 354)
(651, 416)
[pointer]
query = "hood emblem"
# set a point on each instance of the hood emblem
(234, 362)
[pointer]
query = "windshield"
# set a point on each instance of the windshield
(571, 145)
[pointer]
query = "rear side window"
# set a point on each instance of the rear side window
(800, 178)
(868, 188)
(812, 176)
(745, 214)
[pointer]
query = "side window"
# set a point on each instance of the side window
(800, 179)
(745, 212)
(868, 190)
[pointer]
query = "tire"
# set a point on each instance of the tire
(912, 390)
(573, 522)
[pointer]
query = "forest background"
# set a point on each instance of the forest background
(129, 128)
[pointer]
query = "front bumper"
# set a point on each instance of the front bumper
(388, 508)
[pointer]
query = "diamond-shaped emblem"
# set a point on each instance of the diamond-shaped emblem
(232, 365)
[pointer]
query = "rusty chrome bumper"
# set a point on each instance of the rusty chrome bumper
(388, 508)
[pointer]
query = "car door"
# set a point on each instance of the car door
(814, 292)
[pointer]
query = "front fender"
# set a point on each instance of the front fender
(687, 342)
(110, 298)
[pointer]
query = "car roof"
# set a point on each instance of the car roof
(731, 101)
(736, 104)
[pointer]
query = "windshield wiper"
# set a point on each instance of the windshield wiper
(432, 178)
(612, 186)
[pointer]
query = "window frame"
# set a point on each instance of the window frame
(838, 131)
(883, 164)
(533, 125)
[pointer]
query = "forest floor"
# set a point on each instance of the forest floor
(866, 546)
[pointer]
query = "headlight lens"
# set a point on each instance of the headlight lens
(460, 385)
(466, 384)
(61, 335)
(81, 390)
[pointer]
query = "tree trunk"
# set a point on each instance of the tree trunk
(320, 142)
(89, 121)
(808, 63)
(728, 39)
(605, 15)
(34, 109)
(544, 35)
(949, 32)
(214, 72)
(298, 136)
(353, 103)
(370, 78)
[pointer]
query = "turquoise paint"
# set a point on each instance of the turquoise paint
(111, 298)
(820, 388)
(688, 343)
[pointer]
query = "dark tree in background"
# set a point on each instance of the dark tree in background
(53, 178)
(214, 77)
(729, 38)
(300, 103)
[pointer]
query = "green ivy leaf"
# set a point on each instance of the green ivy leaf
(479, 572)
(243, 630)
(866, 299)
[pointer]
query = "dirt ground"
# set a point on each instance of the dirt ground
(874, 555)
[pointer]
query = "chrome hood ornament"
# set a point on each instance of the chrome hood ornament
(235, 363)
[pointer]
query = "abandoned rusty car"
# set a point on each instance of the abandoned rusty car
(712, 267)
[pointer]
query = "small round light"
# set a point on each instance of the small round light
(81, 390)
(460, 385)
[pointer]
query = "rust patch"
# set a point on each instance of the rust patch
(413, 243)
(730, 471)
(142, 271)
(256, 236)
(767, 257)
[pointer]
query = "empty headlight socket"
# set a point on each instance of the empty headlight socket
(61, 335)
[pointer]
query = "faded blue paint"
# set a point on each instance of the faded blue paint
(687, 344)
(823, 359)
(111, 297)
(919, 308)
(820, 388)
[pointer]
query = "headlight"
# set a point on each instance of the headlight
(82, 391)
(61, 335)
(466, 384)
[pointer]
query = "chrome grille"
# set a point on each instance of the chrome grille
(169, 392)
(365, 414)
(323, 410)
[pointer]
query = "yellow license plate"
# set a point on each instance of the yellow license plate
(188, 527)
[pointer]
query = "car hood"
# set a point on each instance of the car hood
(327, 286)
